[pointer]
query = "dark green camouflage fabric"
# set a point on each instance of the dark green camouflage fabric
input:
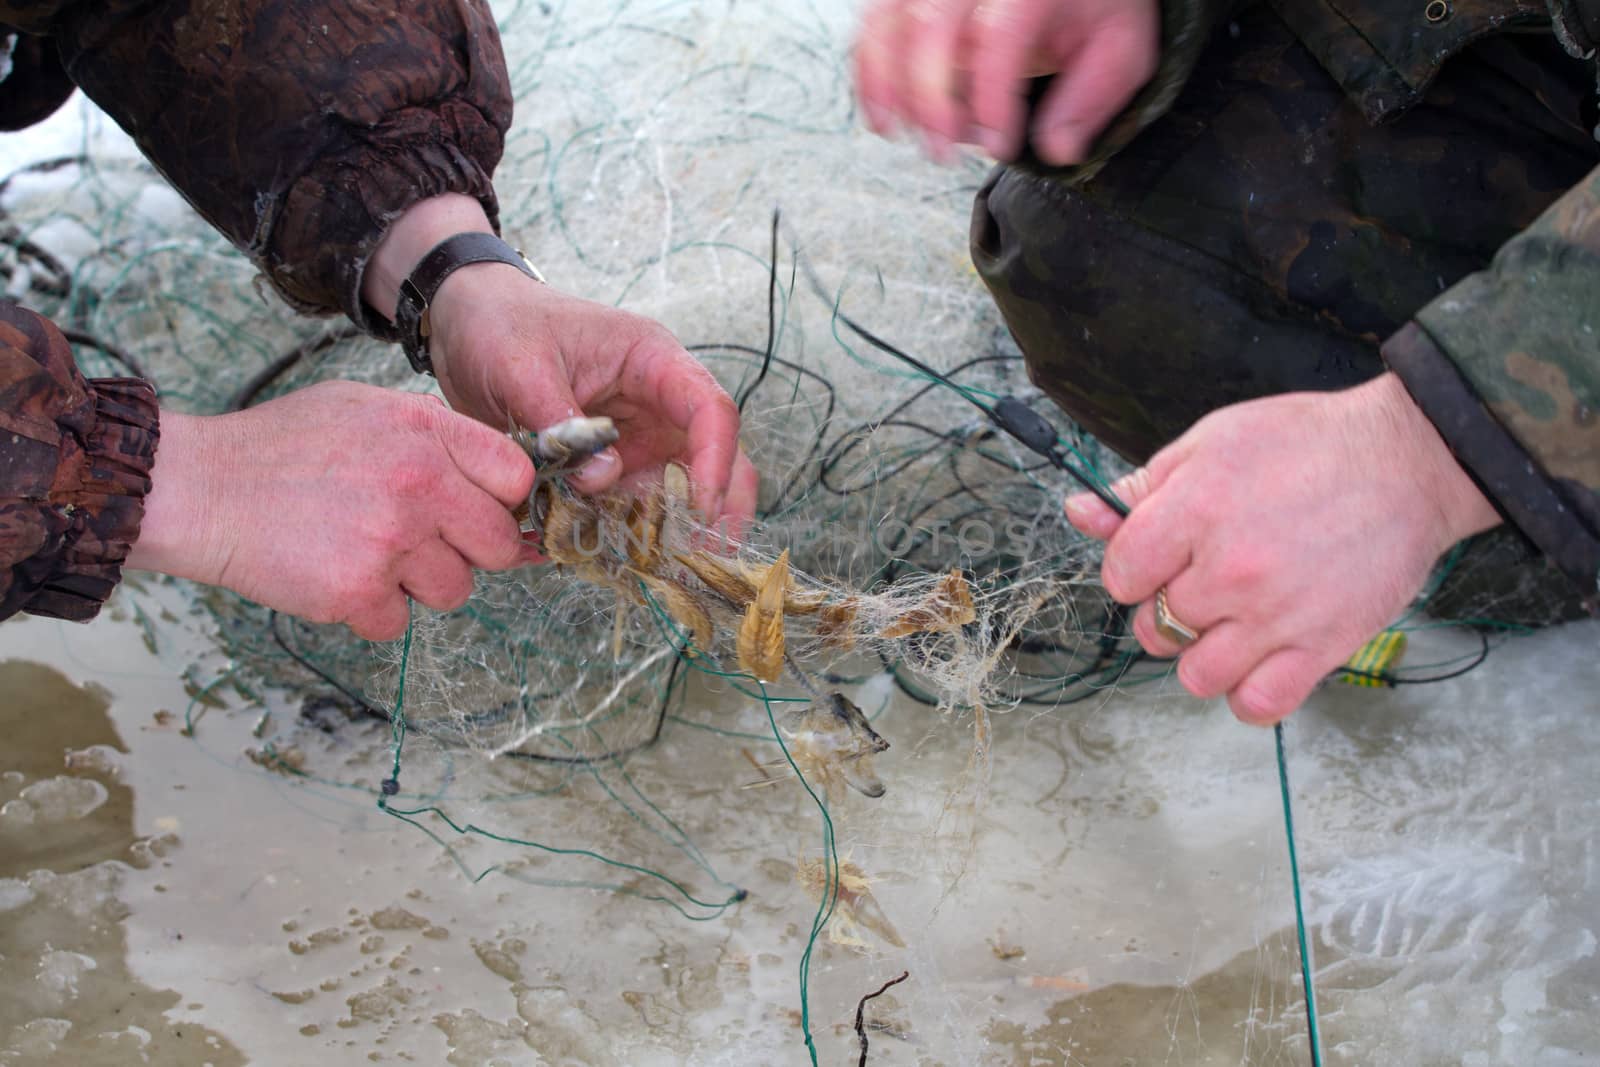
(1507, 364)
(1273, 228)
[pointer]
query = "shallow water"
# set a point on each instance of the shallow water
(1120, 896)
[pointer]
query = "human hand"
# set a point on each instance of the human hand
(958, 71)
(1286, 531)
(506, 347)
(335, 503)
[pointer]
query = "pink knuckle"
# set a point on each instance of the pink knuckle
(1241, 571)
(419, 411)
(387, 538)
(412, 479)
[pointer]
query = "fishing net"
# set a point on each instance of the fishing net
(908, 596)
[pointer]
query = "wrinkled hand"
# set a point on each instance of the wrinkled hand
(506, 347)
(335, 504)
(1287, 531)
(958, 71)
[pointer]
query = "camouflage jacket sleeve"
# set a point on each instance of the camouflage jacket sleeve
(1507, 365)
(298, 128)
(75, 460)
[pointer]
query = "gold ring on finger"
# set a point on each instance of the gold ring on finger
(1168, 625)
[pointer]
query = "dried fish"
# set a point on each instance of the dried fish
(948, 607)
(854, 908)
(836, 624)
(832, 743)
(683, 608)
(761, 639)
(568, 442)
(644, 520)
(720, 577)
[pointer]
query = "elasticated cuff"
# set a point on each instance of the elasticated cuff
(334, 218)
(97, 504)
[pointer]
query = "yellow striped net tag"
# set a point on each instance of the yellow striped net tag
(1375, 659)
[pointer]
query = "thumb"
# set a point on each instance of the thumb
(547, 400)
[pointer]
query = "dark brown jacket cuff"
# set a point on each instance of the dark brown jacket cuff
(1560, 518)
(75, 460)
(334, 218)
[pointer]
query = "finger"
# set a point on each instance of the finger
(548, 399)
(1092, 516)
(1005, 35)
(690, 399)
(435, 574)
(934, 89)
(874, 65)
(1151, 639)
(599, 473)
(1220, 660)
(532, 555)
(1152, 546)
(743, 493)
(384, 620)
(481, 530)
(1276, 687)
(488, 458)
(1117, 59)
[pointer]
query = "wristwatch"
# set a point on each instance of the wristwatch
(443, 260)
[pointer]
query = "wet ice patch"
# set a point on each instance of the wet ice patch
(59, 972)
(54, 800)
(98, 759)
(14, 894)
(41, 1037)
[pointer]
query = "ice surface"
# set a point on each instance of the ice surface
(14, 893)
(59, 972)
(55, 800)
(1119, 892)
(1124, 899)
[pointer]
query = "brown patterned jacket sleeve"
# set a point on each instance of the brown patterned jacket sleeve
(299, 128)
(75, 460)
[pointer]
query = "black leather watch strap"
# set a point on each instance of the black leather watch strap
(445, 258)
